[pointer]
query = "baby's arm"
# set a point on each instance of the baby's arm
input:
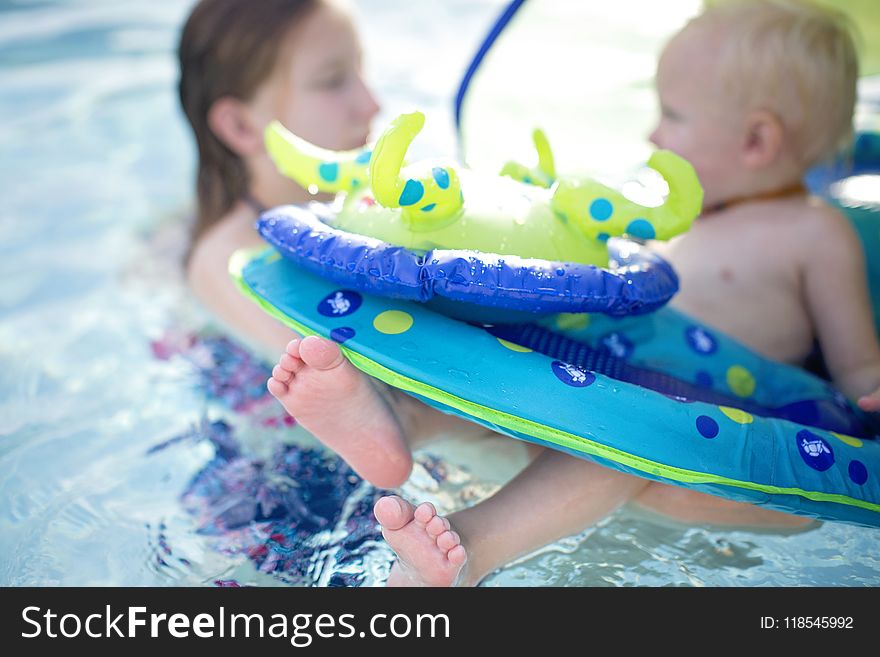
(837, 299)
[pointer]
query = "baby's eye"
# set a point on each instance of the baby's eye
(332, 82)
(672, 115)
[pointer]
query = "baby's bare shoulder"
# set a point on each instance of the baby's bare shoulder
(827, 232)
(808, 224)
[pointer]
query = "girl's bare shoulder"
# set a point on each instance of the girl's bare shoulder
(209, 259)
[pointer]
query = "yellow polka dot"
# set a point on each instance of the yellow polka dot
(572, 321)
(272, 258)
(393, 322)
(740, 380)
(513, 347)
(849, 440)
(737, 415)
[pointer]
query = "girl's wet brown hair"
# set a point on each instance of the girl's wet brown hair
(228, 48)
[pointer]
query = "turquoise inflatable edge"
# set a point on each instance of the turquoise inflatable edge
(814, 503)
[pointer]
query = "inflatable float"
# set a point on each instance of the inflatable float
(523, 242)
(657, 395)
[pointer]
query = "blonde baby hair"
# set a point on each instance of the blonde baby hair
(794, 58)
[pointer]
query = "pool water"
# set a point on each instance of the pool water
(137, 443)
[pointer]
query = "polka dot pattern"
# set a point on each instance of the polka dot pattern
(513, 346)
(642, 229)
(441, 177)
(601, 209)
(737, 415)
(393, 322)
(707, 427)
(858, 473)
(849, 440)
(342, 333)
(572, 321)
(412, 193)
(329, 171)
(740, 381)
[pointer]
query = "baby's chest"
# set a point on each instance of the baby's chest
(736, 261)
(746, 286)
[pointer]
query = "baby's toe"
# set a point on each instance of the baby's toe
(436, 526)
(425, 512)
(448, 540)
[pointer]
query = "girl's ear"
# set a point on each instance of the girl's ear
(763, 140)
(232, 123)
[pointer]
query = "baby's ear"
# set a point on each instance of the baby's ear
(762, 144)
(232, 123)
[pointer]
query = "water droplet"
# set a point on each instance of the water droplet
(460, 374)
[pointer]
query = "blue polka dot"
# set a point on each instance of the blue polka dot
(603, 237)
(342, 334)
(340, 303)
(412, 193)
(707, 427)
(329, 171)
(641, 228)
(441, 176)
(815, 450)
(527, 180)
(704, 379)
(364, 157)
(572, 375)
(601, 209)
(858, 472)
(429, 207)
(700, 340)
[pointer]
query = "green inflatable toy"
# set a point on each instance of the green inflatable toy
(523, 212)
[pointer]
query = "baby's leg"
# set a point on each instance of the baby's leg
(370, 427)
(694, 507)
(556, 495)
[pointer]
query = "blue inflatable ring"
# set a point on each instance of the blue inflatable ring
(638, 283)
(658, 395)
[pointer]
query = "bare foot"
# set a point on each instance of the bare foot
(428, 552)
(336, 402)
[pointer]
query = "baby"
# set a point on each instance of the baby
(752, 93)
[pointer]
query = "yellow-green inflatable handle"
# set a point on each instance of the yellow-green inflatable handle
(316, 169)
(600, 211)
(425, 200)
(544, 175)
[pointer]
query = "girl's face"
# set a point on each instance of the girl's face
(317, 90)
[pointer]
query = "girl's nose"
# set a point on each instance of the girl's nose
(367, 104)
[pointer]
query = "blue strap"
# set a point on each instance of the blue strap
(499, 25)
